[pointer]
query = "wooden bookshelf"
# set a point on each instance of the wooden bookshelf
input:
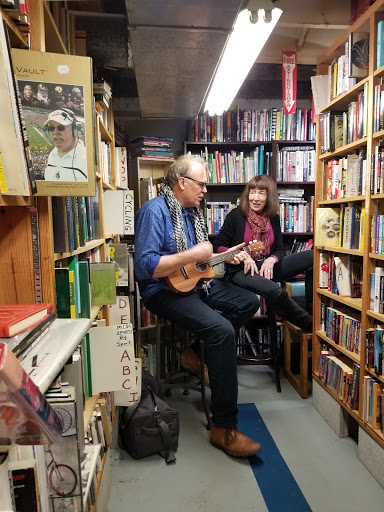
(360, 308)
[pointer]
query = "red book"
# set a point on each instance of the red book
(25, 415)
(15, 318)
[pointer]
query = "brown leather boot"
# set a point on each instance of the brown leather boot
(233, 442)
(191, 361)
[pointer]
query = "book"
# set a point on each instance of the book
(15, 318)
(63, 161)
(20, 342)
(119, 212)
(358, 54)
(118, 254)
(14, 173)
(380, 45)
(33, 419)
(327, 227)
(342, 273)
(25, 485)
(103, 283)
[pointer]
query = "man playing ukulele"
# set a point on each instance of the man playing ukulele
(170, 234)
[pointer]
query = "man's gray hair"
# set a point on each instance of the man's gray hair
(181, 167)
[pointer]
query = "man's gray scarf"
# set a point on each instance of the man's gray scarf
(175, 209)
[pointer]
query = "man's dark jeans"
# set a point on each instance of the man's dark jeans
(198, 313)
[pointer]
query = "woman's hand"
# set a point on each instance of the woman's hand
(266, 269)
(250, 266)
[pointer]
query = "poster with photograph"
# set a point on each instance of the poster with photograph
(57, 102)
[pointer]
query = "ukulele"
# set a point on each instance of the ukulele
(185, 279)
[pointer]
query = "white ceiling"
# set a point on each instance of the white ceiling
(176, 45)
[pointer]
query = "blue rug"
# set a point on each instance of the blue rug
(277, 484)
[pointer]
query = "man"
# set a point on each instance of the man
(28, 97)
(68, 159)
(42, 96)
(76, 102)
(169, 234)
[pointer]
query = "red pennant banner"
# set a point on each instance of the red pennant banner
(289, 81)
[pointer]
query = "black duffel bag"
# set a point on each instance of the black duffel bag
(150, 428)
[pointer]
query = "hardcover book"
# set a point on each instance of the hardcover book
(103, 284)
(57, 103)
(15, 318)
(358, 54)
(118, 254)
(327, 227)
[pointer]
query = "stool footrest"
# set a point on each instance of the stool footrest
(293, 334)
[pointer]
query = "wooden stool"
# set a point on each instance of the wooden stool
(293, 334)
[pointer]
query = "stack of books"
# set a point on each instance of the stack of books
(152, 147)
(102, 92)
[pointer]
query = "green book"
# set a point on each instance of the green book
(63, 301)
(85, 297)
(103, 283)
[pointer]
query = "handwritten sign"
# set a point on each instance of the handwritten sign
(128, 213)
(120, 312)
(289, 81)
(113, 362)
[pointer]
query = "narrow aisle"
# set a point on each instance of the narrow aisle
(204, 479)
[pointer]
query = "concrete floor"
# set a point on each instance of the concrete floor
(204, 479)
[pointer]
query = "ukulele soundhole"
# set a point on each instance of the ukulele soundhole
(201, 267)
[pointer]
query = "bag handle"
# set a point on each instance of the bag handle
(168, 453)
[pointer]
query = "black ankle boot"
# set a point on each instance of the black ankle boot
(288, 309)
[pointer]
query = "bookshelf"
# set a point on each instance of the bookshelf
(17, 274)
(359, 308)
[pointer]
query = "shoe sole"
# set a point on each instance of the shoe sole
(190, 369)
(236, 455)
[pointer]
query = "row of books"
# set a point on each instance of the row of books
(105, 168)
(296, 163)
(340, 128)
(337, 373)
(245, 125)
(377, 234)
(234, 167)
(76, 221)
(373, 400)
(296, 218)
(374, 338)
(378, 118)
(341, 227)
(214, 215)
(346, 176)
(343, 328)
(102, 92)
(344, 72)
(88, 284)
(341, 274)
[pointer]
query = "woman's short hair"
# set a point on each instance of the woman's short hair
(181, 167)
(261, 182)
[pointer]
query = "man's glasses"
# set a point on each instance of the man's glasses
(59, 127)
(201, 183)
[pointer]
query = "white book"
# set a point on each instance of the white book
(13, 165)
(118, 212)
(46, 360)
(343, 281)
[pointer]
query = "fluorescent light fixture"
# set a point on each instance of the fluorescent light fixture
(242, 49)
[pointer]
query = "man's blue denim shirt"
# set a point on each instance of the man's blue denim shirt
(155, 237)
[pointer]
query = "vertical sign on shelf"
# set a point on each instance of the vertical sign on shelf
(36, 254)
(289, 81)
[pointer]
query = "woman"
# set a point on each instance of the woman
(256, 218)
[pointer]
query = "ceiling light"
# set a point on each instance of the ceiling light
(250, 32)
